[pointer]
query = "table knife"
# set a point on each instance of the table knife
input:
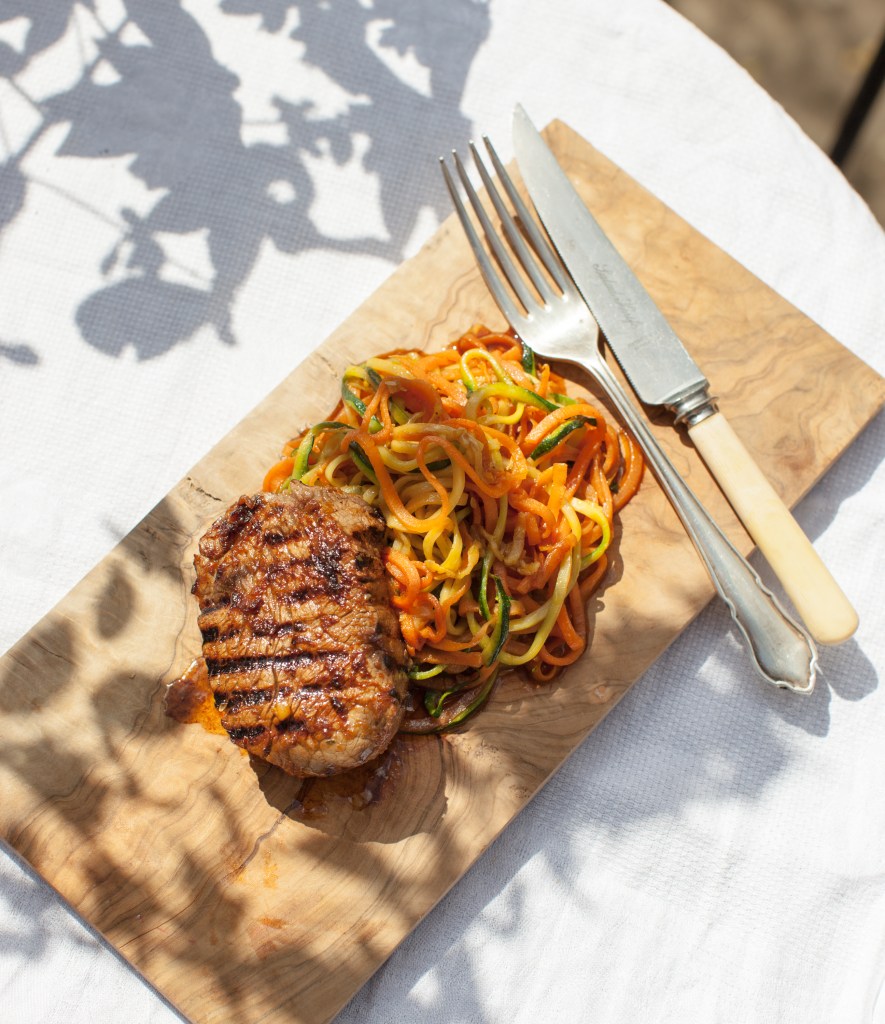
(662, 373)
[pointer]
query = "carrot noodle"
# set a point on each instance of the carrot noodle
(500, 495)
(278, 475)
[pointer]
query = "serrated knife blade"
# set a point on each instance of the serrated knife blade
(655, 361)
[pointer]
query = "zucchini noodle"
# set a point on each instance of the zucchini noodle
(500, 494)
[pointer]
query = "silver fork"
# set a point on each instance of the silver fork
(556, 323)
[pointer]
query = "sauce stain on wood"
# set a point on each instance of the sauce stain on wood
(190, 700)
(358, 789)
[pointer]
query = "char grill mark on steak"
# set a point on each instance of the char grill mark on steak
(334, 661)
(234, 700)
(302, 646)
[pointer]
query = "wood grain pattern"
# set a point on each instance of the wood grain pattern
(191, 860)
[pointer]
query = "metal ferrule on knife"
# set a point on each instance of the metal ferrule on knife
(693, 406)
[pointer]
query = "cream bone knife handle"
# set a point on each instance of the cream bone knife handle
(663, 373)
(816, 596)
(782, 650)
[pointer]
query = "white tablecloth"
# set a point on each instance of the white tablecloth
(193, 196)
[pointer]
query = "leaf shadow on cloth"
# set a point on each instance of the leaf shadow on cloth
(156, 93)
(18, 353)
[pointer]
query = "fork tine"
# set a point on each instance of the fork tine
(528, 261)
(542, 247)
(500, 294)
(505, 261)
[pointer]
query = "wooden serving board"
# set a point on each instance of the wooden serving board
(196, 864)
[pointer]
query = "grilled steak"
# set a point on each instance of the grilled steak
(303, 649)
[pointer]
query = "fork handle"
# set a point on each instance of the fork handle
(783, 652)
(816, 596)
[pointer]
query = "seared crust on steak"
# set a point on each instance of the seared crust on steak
(303, 649)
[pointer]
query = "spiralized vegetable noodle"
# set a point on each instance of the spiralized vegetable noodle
(500, 494)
